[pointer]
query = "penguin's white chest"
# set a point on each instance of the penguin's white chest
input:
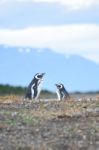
(58, 94)
(39, 88)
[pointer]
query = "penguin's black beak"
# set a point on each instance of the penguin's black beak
(43, 74)
(56, 85)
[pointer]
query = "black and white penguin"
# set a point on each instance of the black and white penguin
(61, 92)
(33, 90)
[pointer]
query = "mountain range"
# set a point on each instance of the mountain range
(76, 73)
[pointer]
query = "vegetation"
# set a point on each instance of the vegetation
(19, 90)
(49, 125)
(8, 89)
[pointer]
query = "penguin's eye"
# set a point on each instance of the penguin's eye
(60, 86)
(39, 76)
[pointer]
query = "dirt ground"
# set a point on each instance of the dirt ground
(49, 125)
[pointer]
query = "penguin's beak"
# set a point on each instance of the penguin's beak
(43, 74)
(56, 85)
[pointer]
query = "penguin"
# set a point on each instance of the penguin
(61, 92)
(33, 89)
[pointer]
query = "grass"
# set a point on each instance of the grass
(9, 122)
(29, 119)
(49, 109)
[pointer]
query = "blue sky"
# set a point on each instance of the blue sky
(65, 27)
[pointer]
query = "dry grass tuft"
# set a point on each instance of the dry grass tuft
(8, 99)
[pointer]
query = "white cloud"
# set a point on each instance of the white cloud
(80, 39)
(71, 4)
(93, 56)
(3, 1)
(74, 4)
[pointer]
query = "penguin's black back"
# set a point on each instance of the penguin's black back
(28, 92)
(64, 93)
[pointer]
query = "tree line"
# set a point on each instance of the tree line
(8, 89)
(17, 90)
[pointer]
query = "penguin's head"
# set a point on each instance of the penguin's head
(59, 86)
(39, 76)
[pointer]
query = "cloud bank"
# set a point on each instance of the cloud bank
(72, 4)
(82, 40)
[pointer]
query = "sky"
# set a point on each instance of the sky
(66, 27)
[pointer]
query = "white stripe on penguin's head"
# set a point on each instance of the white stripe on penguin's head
(59, 86)
(39, 76)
